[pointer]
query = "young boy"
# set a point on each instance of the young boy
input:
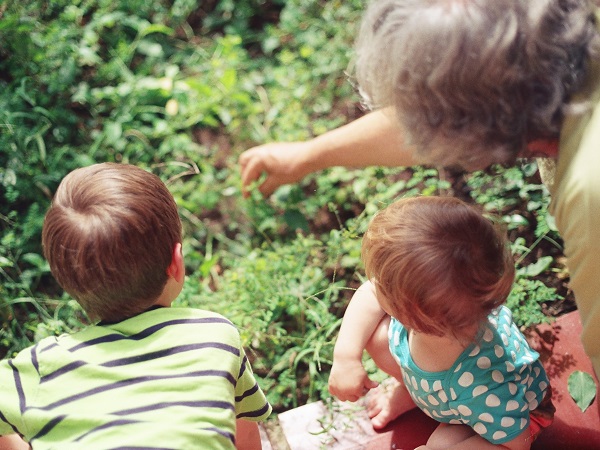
(432, 316)
(146, 375)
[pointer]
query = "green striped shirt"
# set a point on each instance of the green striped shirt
(170, 378)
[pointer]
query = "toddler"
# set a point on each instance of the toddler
(432, 316)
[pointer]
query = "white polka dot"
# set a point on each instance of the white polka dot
(543, 385)
(415, 386)
(464, 410)
(458, 368)
(427, 412)
(507, 422)
(479, 390)
(509, 366)
(425, 385)
(532, 399)
(488, 335)
(431, 399)
(537, 371)
(436, 414)
(513, 355)
(504, 339)
(475, 351)
(437, 385)
(517, 345)
(492, 400)
(422, 402)
(455, 422)
(525, 407)
(507, 329)
(443, 396)
(466, 379)
(499, 351)
(512, 388)
(446, 412)
(523, 423)
(499, 435)
(484, 362)
(486, 417)
(511, 405)
(480, 428)
(497, 376)
(452, 394)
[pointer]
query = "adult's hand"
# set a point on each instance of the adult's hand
(282, 162)
(372, 140)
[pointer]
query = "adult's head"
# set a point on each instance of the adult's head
(109, 237)
(437, 264)
(473, 81)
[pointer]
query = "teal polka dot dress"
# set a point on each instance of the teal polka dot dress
(492, 386)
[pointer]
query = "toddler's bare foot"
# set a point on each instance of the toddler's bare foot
(388, 401)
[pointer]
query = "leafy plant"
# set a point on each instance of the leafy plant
(181, 88)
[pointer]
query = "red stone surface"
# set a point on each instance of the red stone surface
(562, 353)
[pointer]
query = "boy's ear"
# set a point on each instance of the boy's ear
(176, 269)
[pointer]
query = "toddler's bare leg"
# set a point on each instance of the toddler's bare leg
(391, 399)
(446, 435)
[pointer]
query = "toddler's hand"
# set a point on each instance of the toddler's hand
(349, 381)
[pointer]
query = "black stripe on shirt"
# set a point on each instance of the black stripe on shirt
(5, 420)
(142, 358)
(248, 393)
(58, 372)
(114, 423)
(114, 337)
(243, 367)
(34, 359)
(256, 413)
(225, 434)
(18, 386)
(162, 405)
(136, 380)
(170, 351)
(49, 426)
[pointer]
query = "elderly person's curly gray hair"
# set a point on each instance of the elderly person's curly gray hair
(473, 81)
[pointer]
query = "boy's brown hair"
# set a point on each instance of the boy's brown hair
(437, 264)
(109, 237)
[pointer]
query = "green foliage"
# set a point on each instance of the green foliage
(283, 301)
(181, 87)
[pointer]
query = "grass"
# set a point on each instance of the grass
(182, 88)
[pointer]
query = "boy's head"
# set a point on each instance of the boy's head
(437, 264)
(109, 237)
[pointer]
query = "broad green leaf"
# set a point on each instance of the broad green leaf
(533, 270)
(582, 389)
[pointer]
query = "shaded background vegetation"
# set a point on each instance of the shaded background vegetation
(181, 88)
